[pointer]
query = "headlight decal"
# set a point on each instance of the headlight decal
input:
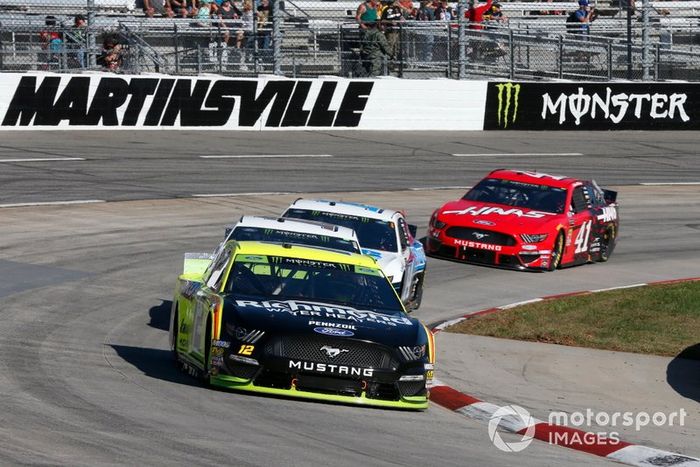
(533, 238)
(244, 335)
(412, 353)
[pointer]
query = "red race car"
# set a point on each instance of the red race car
(527, 220)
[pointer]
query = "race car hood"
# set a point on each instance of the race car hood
(492, 216)
(305, 317)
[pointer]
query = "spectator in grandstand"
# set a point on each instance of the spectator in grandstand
(76, 42)
(475, 14)
(162, 7)
(183, 8)
(366, 13)
(244, 35)
(391, 23)
(409, 12)
(227, 14)
(494, 19)
(228, 11)
(204, 13)
(51, 44)
(265, 18)
(373, 50)
(425, 35)
(425, 12)
(443, 12)
(111, 57)
(495, 15)
(579, 22)
(381, 6)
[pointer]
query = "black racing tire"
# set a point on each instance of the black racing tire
(607, 244)
(207, 353)
(557, 252)
(173, 343)
(418, 294)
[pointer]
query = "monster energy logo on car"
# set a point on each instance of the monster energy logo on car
(508, 92)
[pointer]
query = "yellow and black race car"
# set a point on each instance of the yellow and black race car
(298, 321)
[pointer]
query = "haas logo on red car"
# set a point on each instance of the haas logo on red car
(609, 214)
(485, 210)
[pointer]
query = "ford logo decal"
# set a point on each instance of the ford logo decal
(483, 222)
(334, 332)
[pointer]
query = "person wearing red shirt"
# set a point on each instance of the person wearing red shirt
(475, 14)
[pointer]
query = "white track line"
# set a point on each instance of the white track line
(225, 195)
(521, 154)
(428, 188)
(669, 183)
(45, 159)
(51, 203)
(263, 156)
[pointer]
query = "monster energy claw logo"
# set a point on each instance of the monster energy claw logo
(512, 93)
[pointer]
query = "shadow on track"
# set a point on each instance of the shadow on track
(683, 373)
(156, 363)
(160, 315)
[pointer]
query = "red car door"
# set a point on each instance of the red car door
(578, 240)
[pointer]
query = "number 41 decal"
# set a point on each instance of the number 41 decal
(582, 237)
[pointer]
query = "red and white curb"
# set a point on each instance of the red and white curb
(572, 438)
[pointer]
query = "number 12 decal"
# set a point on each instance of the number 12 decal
(582, 237)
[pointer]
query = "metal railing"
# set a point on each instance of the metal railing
(297, 43)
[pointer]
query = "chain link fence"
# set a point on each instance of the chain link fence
(301, 38)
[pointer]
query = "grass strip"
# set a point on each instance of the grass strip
(657, 319)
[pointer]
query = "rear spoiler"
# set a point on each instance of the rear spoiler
(610, 196)
(196, 263)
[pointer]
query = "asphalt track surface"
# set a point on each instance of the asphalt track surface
(128, 165)
(85, 376)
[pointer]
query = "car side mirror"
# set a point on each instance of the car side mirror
(413, 229)
(610, 196)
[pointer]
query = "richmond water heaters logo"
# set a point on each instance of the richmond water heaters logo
(508, 95)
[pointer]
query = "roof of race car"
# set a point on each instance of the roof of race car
(345, 207)
(298, 225)
(537, 178)
(304, 252)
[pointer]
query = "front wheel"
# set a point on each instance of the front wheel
(206, 372)
(173, 343)
(557, 252)
(417, 292)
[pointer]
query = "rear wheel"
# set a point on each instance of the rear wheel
(557, 252)
(606, 245)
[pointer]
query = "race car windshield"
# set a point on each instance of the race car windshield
(374, 234)
(281, 278)
(523, 195)
(300, 238)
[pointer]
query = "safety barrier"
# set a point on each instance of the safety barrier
(99, 101)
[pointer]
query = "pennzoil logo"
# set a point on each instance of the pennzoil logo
(508, 95)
